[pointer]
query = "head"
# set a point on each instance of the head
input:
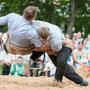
(67, 36)
(30, 12)
(44, 34)
(84, 43)
(20, 60)
(88, 37)
(80, 45)
(79, 35)
(75, 36)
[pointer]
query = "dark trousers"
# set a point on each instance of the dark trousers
(63, 69)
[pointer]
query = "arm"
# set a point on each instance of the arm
(42, 48)
(4, 20)
(71, 61)
(46, 49)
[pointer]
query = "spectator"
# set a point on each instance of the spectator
(67, 36)
(80, 56)
(85, 44)
(79, 35)
(17, 68)
(75, 40)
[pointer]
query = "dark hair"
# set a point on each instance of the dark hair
(20, 57)
(81, 42)
(30, 12)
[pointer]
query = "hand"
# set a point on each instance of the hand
(84, 65)
(64, 42)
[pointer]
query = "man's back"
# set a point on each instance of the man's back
(21, 32)
(56, 35)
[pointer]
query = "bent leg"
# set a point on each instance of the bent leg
(62, 62)
(72, 75)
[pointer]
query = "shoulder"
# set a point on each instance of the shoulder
(13, 15)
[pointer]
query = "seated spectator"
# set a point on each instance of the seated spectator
(17, 68)
(80, 56)
(50, 68)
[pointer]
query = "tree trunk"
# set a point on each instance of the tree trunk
(71, 18)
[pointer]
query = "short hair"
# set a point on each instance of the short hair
(44, 32)
(20, 57)
(30, 12)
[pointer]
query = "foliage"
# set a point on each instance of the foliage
(58, 13)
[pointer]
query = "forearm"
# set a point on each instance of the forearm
(77, 61)
(42, 48)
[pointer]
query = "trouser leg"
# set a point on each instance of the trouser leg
(53, 59)
(69, 72)
(36, 55)
(72, 75)
(62, 62)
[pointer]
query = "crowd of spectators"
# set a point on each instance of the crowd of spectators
(13, 65)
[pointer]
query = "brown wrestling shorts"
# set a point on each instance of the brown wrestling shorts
(13, 49)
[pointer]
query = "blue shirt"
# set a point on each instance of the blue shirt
(21, 32)
(56, 35)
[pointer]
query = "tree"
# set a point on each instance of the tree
(69, 13)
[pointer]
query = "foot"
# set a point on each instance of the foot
(55, 80)
(84, 83)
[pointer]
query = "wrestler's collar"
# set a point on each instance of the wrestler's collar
(25, 20)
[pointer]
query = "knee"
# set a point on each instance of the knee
(62, 62)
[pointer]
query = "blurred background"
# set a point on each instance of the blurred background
(70, 15)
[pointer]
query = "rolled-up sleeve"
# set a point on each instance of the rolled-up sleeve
(56, 39)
